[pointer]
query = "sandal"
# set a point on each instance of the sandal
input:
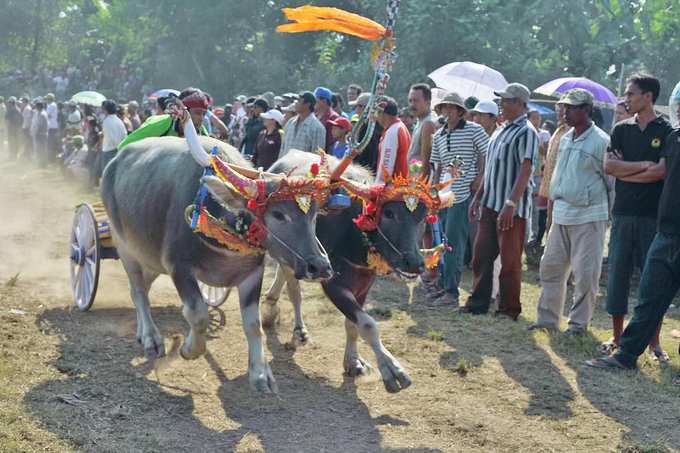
(607, 348)
(607, 363)
(676, 380)
(659, 355)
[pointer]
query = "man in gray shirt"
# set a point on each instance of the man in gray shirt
(304, 132)
(419, 101)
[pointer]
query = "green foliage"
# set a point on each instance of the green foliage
(230, 47)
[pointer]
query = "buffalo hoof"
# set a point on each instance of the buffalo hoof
(394, 377)
(270, 314)
(194, 346)
(357, 367)
(263, 382)
(300, 336)
(153, 344)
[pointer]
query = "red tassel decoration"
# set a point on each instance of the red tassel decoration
(252, 204)
(371, 208)
(432, 218)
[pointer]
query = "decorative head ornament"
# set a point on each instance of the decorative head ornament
(304, 190)
(411, 191)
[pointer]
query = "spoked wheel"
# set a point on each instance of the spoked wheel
(213, 295)
(85, 254)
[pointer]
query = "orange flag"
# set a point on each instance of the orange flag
(317, 18)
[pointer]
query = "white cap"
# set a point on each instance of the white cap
(273, 114)
(489, 107)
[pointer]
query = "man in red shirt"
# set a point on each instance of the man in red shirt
(325, 114)
(395, 140)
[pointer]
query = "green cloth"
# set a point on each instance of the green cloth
(155, 126)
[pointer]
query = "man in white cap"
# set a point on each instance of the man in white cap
(485, 114)
(504, 203)
(460, 144)
(580, 192)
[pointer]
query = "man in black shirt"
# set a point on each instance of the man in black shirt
(253, 127)
(661, 276)
(635, 159)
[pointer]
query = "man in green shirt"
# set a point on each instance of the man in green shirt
(167, 125)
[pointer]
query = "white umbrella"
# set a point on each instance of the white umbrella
(469, 79)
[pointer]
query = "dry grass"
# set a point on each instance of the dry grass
(72, 381)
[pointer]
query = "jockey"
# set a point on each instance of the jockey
(168, 125)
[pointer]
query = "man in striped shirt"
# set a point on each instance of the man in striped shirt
(460, 144)
(505, 204)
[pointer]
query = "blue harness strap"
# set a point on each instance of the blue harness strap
(201, 194)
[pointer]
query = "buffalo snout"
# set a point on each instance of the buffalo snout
(414, 263)
(316, 268)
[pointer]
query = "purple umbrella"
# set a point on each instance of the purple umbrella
(555, 88)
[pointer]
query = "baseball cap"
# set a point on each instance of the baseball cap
(514, 91)
(342, 122)
(576, 96)
(262, 103)
(308, 97)
(273, 114)
(291, 96)
(324, 93)
(241, 98)
(489, 107)
(362, 99)
(453, 99)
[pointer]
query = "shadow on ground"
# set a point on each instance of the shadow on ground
(109, 400)
(647, 409)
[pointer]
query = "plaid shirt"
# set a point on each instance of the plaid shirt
(308, 136)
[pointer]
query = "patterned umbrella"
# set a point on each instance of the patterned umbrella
(89, 98)
(469, 79)
(601, 94)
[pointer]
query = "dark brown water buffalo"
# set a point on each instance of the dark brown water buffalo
(394, 242)
(146, 190)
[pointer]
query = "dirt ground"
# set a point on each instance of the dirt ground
(73, 381)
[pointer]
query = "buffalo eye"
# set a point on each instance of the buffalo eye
(389, 214)
(278, 215)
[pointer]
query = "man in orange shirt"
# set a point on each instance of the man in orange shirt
(394, 143)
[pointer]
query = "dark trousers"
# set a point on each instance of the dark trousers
(659, 283)
(53, 136)
(542, 221)
(13, 143)
(629, 242)
(489, 243)
(28, 144)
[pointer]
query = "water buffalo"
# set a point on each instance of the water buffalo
(146, 190)
(396, 239)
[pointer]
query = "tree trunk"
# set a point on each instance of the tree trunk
(37, 35)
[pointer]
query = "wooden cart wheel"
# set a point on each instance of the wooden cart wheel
(85, 254)
(213, 295)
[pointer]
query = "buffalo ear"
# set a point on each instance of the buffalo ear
(223, 194)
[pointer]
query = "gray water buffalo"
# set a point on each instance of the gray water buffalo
(146, 190)
(354, 246)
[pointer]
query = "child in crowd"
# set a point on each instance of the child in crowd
(341, 127)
